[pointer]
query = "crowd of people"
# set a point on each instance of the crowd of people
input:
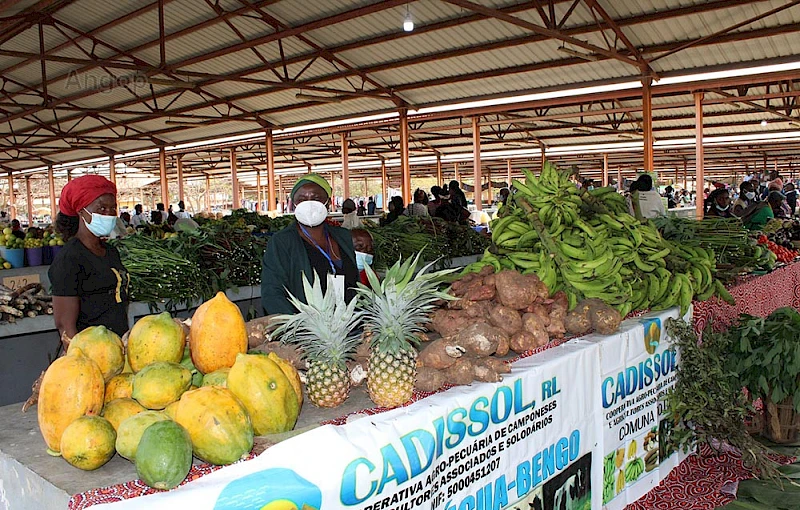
(757, 199)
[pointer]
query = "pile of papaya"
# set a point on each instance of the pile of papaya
(165, 393)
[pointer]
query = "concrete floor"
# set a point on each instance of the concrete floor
(30, 479)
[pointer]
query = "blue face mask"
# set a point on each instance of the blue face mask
(101, 225)
(363, 259)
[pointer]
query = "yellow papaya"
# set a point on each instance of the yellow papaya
(130, 432)
(88, 442)
(72, 387)
(120, 386)
(291, 373)
(218, 424)
(103, 346)
(155, 338)
(217, 334)
(161, 383)
(120, 409)
(266, 393)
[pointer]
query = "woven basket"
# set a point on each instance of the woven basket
(781, 421)
(755, 422)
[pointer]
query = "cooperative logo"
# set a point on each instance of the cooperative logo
(271, 489)
(652, 334)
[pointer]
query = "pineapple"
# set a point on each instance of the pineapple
(323, 330)
(395, 311)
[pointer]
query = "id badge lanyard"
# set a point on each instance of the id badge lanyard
(336, 280)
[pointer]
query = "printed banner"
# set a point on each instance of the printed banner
(636, 373)
(577, 427)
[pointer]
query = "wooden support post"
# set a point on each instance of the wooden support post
(605, 170)
(385, 199)
(162, 172)
(543, 150)
(438, 169)
(405, 165)
(272, 202)
(698, 127)
(112, 170)
(237, 202)
(208, 194)
(29, 199)
(508, 168)
(281, 196)
(51, 183)
(333, 190)
(647, 124)
(455, 172)
(12, 199)
(179, 168)
(345, 149)
(69, 175)
(476, 162)
(620, 188)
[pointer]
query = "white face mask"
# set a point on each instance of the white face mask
(310, 213)
(750, 195)
(363, 259)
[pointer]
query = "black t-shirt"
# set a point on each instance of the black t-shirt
(101, 283)
(343, 267)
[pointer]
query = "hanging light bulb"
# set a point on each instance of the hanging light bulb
(408, 23)
(763, 123)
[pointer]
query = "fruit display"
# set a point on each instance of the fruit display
(91, 403)
(10, 241)
(588, 245)
(323, 329)
(27, 301)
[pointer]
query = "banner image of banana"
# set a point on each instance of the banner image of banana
(588, 245)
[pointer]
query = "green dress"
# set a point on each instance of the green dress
(760, 218)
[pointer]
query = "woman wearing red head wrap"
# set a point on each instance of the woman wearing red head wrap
(90, 284)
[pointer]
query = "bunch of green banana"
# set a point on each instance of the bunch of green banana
(586, 244)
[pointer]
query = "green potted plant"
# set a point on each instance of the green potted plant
(765, 352)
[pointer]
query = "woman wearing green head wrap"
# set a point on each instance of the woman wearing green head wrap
(308, 244)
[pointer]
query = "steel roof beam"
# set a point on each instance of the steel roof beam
(712, 5)
(547, 32)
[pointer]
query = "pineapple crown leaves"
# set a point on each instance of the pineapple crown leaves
(324, 325)
(396, 308)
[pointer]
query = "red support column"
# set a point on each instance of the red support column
(476, 162)
(237, 203)
(112, 170)
(345, 166)
(29, 200)
(405, 165)
(179, 168)
(272, 202)
(647, 124)
(699, 157)
(162, 172)
(52, 186)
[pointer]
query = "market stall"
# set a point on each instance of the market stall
(557, 420)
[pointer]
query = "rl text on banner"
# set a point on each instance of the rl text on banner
(531, 441)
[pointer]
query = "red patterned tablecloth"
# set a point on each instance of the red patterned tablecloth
(758, 295)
